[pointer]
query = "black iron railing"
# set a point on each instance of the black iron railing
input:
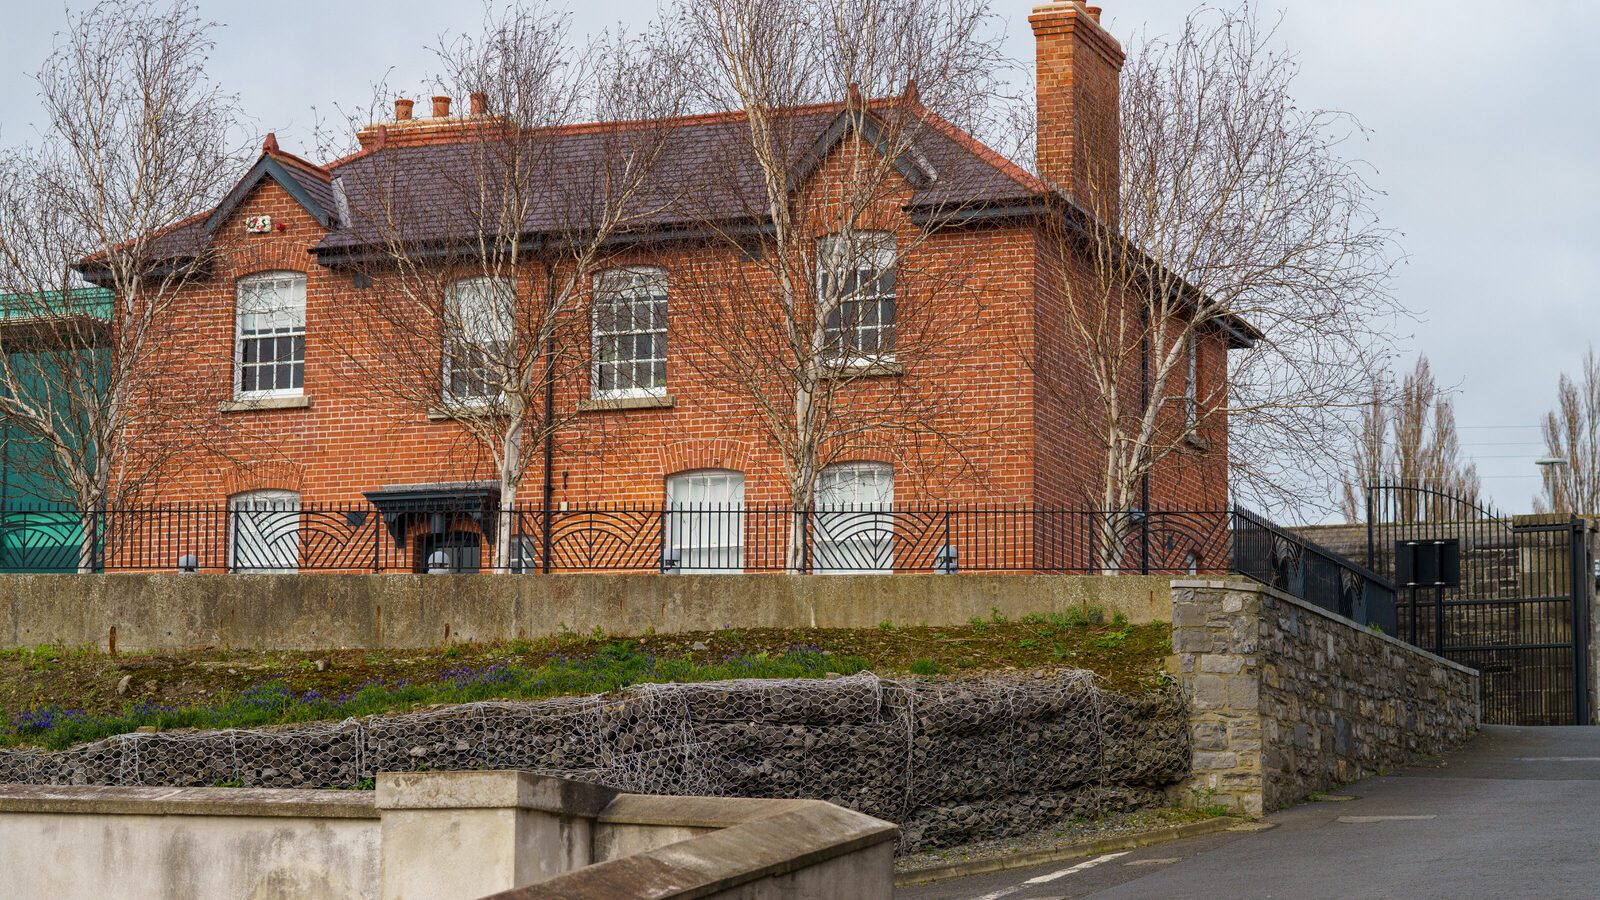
(269, 537)
(264, 537)
(1284, 560)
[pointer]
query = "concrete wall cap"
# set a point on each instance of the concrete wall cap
(722, 860)
(86, 800)
(491, 790)
(695, 812)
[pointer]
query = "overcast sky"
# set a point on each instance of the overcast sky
(1485, 135)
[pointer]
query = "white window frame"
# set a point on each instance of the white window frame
(269, 522)
(489, 329)
(871, 257)
(854, 519)
(705, 521)
(634, 287)
(295, 282)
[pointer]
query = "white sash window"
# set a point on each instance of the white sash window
(630, 333)
(705, 522)
(270, 336)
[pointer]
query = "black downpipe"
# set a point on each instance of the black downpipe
(1144, 409)
(549, 428)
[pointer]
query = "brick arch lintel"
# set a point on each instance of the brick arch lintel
(280, 475)
(689, 454)
(269, 256)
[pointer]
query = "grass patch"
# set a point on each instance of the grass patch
(55, 697)
(616, 666)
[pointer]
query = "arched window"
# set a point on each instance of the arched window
(264, 531)
(856, 287)
(855, 518)
(705, 522)
(270, 335)
(480, 314)
(630, 333)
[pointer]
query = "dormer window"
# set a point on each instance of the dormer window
(856, 293)
(270, 338)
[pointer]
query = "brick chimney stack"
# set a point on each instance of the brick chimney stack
(1078, 66)
(408, 129)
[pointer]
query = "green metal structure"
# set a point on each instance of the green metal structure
(42, 336)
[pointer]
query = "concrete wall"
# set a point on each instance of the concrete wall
(440, 836)
(187, 844)
(1288, 699)
(309, 611)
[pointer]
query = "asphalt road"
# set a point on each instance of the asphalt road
(1514, 814)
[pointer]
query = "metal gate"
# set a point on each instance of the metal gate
(1519, 613)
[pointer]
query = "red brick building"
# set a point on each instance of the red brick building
(296, 425)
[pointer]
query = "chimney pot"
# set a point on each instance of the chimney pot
(441, 107)
(1094, 13)
(402, 109)
(480, 103)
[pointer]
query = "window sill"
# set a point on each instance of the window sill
(462, 411)
(865, 370)
(611, 404)
(253, 404)
(1196, 443)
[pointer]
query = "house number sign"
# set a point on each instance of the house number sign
(258, 225)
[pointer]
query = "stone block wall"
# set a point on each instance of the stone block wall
(1288, 699)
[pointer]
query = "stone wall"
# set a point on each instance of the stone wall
(950, 760)
(1288, 699)
(145, 612)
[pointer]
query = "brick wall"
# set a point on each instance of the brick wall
(351, 439)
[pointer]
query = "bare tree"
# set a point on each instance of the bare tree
(1228, 215)
(797, 316)
(1408, 439)
(479, 245)
(138, 142)
(1572, 434)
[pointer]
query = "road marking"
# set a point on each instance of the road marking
(1558, 759)
(1045, 879)
(1152, 862)
(1367, 820)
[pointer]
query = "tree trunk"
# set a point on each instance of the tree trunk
(510, 484)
